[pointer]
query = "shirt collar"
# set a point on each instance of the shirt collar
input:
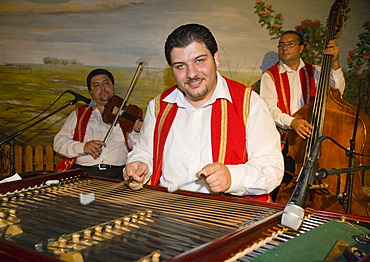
(221, 91)
(284, 68)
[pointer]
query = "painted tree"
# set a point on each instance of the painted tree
(313, 31)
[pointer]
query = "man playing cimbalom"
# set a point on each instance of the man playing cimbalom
(208, 133)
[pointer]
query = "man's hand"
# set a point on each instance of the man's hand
(217, 176)
(94, 148)
(137, 125)
(333, 49)
(138, 171)
(301, 127)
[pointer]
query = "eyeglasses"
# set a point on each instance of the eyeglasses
(289, 44)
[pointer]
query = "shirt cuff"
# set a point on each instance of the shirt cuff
(337, 72)
(80, 148)
(287, 120)
(134, 135)
(237, 180)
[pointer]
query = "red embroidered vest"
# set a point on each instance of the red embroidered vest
(283, 90)
(228, 123)
(83, 116)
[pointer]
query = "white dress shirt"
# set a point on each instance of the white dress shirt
(115, 153)
(269, 94)
(188, 146)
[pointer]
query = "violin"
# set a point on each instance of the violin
(116, 109)
(126, 117)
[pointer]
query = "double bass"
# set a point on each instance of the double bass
(333, 117)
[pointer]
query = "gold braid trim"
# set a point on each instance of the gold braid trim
(157, 105)
(160, 125)
(283, 93)
(223, 138)
(307, 98)
(246, 104)
(80, 123)
(224, 119)
(282, 88)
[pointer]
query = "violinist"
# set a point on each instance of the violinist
(81, 139)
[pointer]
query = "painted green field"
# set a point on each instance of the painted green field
(27, 90)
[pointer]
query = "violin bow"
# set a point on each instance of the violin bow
(136, 75)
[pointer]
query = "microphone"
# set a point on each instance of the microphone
(79, 97)
(294, 211)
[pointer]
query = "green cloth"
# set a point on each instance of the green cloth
(316, 244)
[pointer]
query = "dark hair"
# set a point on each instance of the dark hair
(96, 72)
(298, 34)
(185, 35)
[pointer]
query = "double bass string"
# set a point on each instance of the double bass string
(319, 107)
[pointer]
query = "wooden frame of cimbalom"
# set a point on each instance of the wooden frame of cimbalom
(45, 217)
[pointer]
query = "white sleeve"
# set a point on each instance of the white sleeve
(269, 95)
(337, 79)
(264, 168)
(63, 140)
(132, 138)
(143, 149)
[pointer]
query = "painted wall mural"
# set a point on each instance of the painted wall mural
(49, 46)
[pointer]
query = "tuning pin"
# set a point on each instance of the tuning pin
(156, 257)
(87, 238)
(76, 244)
(13, 217)
(98, 235)
(118, 226)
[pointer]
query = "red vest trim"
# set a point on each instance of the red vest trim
(228, 125)
(165, 114)
(283, 91)
(83, 116)
(283, 88)
(227, 129)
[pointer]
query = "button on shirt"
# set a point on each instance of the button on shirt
(188, 146)
(114, 154)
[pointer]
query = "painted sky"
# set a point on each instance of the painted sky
(119, 33)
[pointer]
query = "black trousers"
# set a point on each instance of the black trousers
(113, 172)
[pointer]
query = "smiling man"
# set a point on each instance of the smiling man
(81, 139)
(208, 133)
